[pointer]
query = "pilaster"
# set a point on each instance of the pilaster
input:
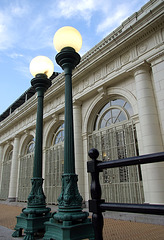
(14, 171)
(153, 179)
(1, 160)
(79, 158)
(86, 175)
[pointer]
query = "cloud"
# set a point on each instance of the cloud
(114, 19)
(9, 19)
(72, 8)
(5, 37)
(15, 20)
(15, 55)
(116, 14)
(24, 71)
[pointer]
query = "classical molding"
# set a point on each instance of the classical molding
(156, 58)
(136, 28)
(76, 103)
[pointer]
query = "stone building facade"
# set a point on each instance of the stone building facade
(118, 104)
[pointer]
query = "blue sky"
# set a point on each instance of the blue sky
(27, 28)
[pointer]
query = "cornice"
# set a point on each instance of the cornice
(159, 56)
(20, 112)
(150, 17)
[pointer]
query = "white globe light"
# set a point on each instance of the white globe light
(67, 37)
(41, 64)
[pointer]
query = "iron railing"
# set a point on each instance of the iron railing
(98, 205)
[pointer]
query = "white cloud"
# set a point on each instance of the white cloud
(5, 36)
(72, 8)
(15, 55)
(19, 8)
(116, 13)
(24, 70)
(114, 19)
(11, 23)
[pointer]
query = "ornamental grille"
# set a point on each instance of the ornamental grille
(53, 172)
(122, 184)
(25, 175)
(6, 168)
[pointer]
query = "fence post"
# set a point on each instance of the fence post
(94, 204)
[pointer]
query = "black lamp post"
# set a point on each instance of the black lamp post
(70, 222)
(33, 217)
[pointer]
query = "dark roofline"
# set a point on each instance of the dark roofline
(22, 99)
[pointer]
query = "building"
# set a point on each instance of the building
(118, 103)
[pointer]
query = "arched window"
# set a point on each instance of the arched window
(113, 112)
(30, 147)
(54, 166)
(26, 170)
(10, 154)
(114, 135)
(6, 168)
(58, 135)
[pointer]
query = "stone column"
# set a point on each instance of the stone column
(44, 166)
(1, 160)
(153, 174)
(14, 171)
(79, 158)
(86, 174)
(157, 65)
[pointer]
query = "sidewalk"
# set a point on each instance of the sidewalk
(113, 229)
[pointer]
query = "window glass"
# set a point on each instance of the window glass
(30, 147)
(10, 155)
(59, 135)
(113, 112)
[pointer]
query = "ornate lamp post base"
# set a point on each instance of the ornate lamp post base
(70, 222)
(33, 217)
(32, 223)
(75, 231)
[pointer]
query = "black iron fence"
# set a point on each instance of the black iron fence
(98, 205)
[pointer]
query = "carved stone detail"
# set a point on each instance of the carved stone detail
(125, 58)
(97, 75)
(86, 83)
(110, 67)
(142, 47)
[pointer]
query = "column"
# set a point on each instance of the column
(44, 167)
(153, 174)
(1, 160)
(79, 161)
(14, 171)
(157, 65)
(86, 174)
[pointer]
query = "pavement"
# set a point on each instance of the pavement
(114, 229)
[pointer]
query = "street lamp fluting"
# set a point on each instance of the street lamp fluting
(33, 217)
(70, 222)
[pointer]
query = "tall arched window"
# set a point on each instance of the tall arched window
(115, 111)
(26, 170)
(30, 147)
(54, 165)
(114, 135)
(6, 168)
(58, 135)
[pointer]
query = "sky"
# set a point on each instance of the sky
(27, 28)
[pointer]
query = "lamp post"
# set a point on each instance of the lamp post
(70, 222)
(33, 217)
